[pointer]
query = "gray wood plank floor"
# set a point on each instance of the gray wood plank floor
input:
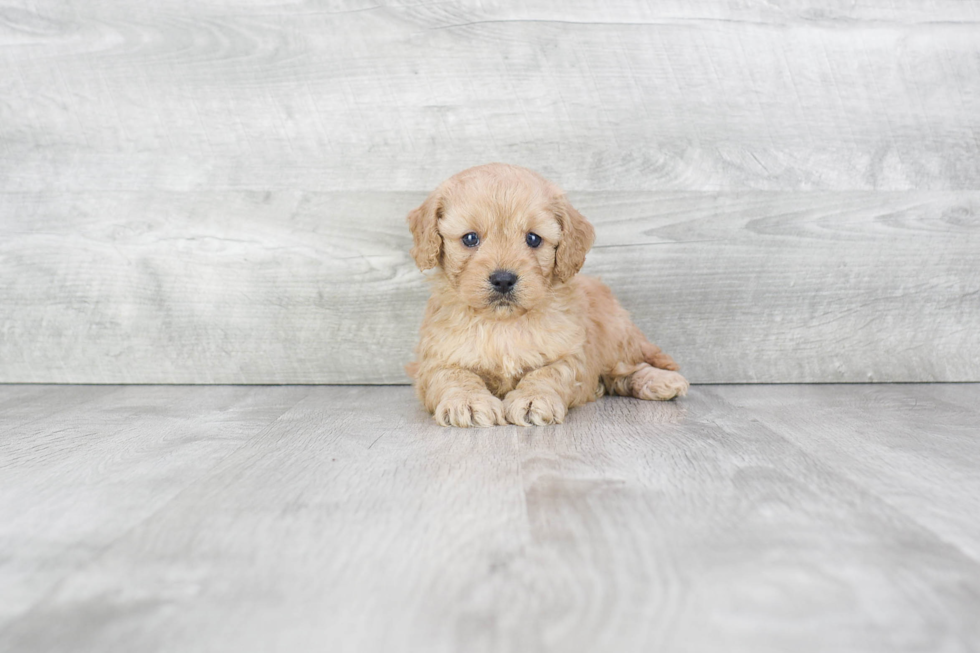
(742, 518)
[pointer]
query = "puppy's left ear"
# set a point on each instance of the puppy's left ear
(422, 222)
(577, 236)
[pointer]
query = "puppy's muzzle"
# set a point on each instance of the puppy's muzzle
(503, 282)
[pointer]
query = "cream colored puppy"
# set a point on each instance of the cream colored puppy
(512, 333)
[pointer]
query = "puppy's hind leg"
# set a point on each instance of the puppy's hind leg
(644, 381)
(649, 382)
(657, 357)
(658, 378)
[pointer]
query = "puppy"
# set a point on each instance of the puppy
(512, 333)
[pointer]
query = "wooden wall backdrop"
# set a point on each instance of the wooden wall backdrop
(214, 192)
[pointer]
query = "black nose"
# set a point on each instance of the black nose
(503, 281)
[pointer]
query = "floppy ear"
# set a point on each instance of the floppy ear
(428, 242)
(576, 239)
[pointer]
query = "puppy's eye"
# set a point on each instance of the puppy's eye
(533, 240)
(471, 239)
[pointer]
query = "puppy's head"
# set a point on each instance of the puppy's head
(502, 234)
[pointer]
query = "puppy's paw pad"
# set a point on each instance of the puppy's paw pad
(659, 385)
(470, 409)
(525, 409)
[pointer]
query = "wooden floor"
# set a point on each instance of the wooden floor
(741, 518)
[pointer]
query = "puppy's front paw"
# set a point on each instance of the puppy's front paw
(659, 385)
(526, 408)
(470, 409)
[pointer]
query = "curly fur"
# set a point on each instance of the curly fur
(560, 340)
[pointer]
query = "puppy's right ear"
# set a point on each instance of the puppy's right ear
(428, 242)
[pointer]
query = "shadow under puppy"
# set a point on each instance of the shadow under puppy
(512, 333)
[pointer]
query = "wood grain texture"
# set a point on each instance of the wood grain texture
(923, 465)
(214, 192)
(319, 287)
(599, 94)
(82, 465)
(755, 518)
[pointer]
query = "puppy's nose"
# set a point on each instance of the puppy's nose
(503, 281)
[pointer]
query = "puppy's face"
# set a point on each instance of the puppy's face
(498, 245)
(503, 235)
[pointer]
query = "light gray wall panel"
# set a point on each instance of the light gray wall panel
(215, 191)
(600, 95)
(291, 287)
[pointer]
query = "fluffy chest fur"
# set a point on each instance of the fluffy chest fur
(501, 351)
